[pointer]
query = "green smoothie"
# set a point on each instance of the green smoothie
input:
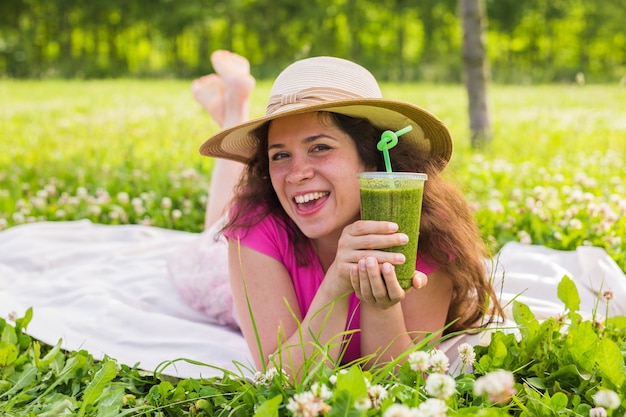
(396, 198)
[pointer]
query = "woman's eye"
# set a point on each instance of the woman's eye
(320, 147)
(278, 155)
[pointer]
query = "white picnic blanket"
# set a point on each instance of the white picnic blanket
(106, 289)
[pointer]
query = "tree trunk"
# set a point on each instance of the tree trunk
(476, 72)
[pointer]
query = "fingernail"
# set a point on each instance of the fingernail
(404, 238)
(386, 268)
(370, 261)
(362, 266)
(420, 281)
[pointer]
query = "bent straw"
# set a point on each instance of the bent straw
(388, 140)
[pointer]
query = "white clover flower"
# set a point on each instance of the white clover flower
(188, 173)
(597, 412)
(377, 393)
(588, 197)
(51, 189)
(440, 386)
(497, 385)
(38, 202)
(606, 398)
(398, 410)
(419, 361)
(18, 217)
(146, 221)
(271, 372)
(439, 361)
(306, 404)
(102, 196)
(3, 223)
(524, 237)
(81, 192)
(432, 407)
(177, 214)
(467, 354)
(136, 202)
(123, 197)
(495, 206)
(258, 378)
(321, 391)
(166, 203)
(363, 404)
(333, 378)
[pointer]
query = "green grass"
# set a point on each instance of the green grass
(125, 151)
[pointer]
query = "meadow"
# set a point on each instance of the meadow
(125, 151)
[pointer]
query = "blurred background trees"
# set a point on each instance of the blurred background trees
(399, 40)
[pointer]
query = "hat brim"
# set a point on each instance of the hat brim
(428, 133)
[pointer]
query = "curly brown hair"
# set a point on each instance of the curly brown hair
(449, 236)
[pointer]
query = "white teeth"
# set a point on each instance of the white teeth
(305, 198)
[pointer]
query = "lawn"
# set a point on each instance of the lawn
(125, 151)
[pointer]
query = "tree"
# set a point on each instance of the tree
(475, 67)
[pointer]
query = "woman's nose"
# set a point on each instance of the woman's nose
(301, 170)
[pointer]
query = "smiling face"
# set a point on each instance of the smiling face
(313, 167)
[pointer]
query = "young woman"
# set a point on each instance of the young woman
(304, 270)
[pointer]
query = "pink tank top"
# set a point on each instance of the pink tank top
(270, 238)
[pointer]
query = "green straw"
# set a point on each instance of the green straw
(388, 140)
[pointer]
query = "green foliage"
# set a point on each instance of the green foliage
(556, 367)
(559, 362)
(532, 40)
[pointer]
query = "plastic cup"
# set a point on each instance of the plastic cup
(395, 197)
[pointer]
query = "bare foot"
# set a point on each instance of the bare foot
(209, 91)
(234, 70)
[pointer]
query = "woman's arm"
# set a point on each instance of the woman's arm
(265, 284)
(389, 332)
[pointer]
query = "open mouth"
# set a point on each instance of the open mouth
(310, 200)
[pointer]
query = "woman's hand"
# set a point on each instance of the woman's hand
(370, 270)
(377, 284)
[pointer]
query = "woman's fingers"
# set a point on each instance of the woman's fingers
(376, 283)
(419, 280)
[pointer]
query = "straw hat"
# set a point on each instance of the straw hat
(334, 85)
